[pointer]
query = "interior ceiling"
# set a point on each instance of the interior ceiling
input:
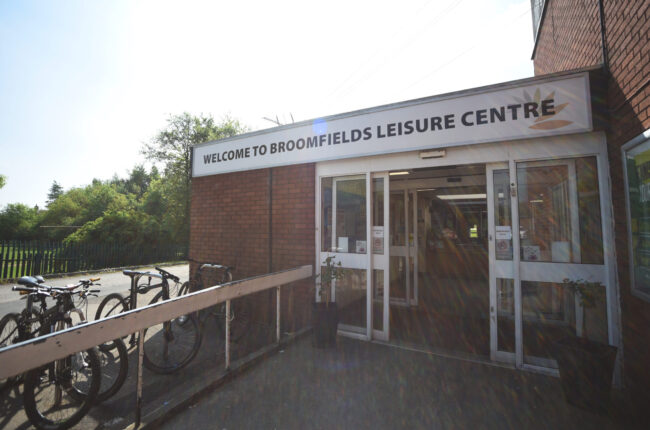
(444, 172)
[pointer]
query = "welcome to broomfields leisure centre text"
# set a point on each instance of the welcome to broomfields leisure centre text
(472, 118)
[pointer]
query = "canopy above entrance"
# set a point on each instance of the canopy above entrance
(523, 109)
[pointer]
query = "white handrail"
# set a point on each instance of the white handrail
(30, 354)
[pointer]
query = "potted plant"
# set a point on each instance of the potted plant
(586, 366)
(325, 317)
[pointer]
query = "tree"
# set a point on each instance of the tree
(55, 191)
(3, 180)
(18, 222)
(173, 148)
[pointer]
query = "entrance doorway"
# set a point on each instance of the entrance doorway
(439, 275)
(472, 258)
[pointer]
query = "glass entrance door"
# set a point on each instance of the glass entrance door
(344, 235)
(545, 227)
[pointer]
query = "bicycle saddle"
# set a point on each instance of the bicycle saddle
(28, 281)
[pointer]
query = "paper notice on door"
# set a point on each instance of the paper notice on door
(361, 246)
(503, 232)
(343, 244)
(378, 239)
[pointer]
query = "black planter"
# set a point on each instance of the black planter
(586, 369)
(325, 320)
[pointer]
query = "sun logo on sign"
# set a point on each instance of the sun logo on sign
(549, 121)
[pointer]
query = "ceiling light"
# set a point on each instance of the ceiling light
(462, 196)
(405, 172)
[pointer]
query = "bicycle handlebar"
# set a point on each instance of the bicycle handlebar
(166, 274)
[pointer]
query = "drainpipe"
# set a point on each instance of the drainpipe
(601, 9)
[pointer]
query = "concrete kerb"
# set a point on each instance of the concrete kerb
(92, 272)
(155, 418)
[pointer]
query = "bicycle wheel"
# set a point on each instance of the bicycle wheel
(59, 394)
(8, 336)
(184, 289)
(240, 317)
(170, 346)
(114, 367)
(112, 304)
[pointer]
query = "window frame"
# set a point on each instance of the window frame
(630, 145)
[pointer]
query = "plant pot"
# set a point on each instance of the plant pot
(325, 320)
(586, 369)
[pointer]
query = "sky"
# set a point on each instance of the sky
(83, 84)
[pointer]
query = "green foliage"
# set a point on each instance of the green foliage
(3, 180)
(173, 148)
(146, 207)
(18, 221)
(330, 271)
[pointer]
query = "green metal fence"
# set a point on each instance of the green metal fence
(19, 258)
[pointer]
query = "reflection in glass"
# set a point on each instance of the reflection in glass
(326, 214)
(351, 215)
(638, 176)
(551, 311)
(502, 215)
(505, 315)
(545, 213)
(398, 270)
(559, 211)
(378, 216)
(351, 298)
(378, 299)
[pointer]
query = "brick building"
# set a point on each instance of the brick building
(458, 216)
(613, 35)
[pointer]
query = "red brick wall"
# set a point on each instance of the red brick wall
(570, 38)
(229, 222)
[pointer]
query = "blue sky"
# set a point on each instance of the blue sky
(84, 83)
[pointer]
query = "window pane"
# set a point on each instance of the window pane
(638, 176)
(378, 299)
(502, 215)
(505, 315)
(351, 215)
(591, 229)
(326, 214)
(378, 216)
(351, 297)
(559, 211)
(551, 311)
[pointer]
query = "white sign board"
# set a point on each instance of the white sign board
(538, 109)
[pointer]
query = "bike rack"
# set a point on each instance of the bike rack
(24, 356)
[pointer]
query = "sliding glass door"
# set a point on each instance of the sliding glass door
(545, 227)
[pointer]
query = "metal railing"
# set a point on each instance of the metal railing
(24, 356)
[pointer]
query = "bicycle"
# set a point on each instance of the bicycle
(168, 347)
(58, 394)
(16, 328)
(240, 310)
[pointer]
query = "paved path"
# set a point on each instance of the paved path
(363, 385)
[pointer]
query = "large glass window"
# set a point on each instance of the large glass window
(637, 166)
(559, 211)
